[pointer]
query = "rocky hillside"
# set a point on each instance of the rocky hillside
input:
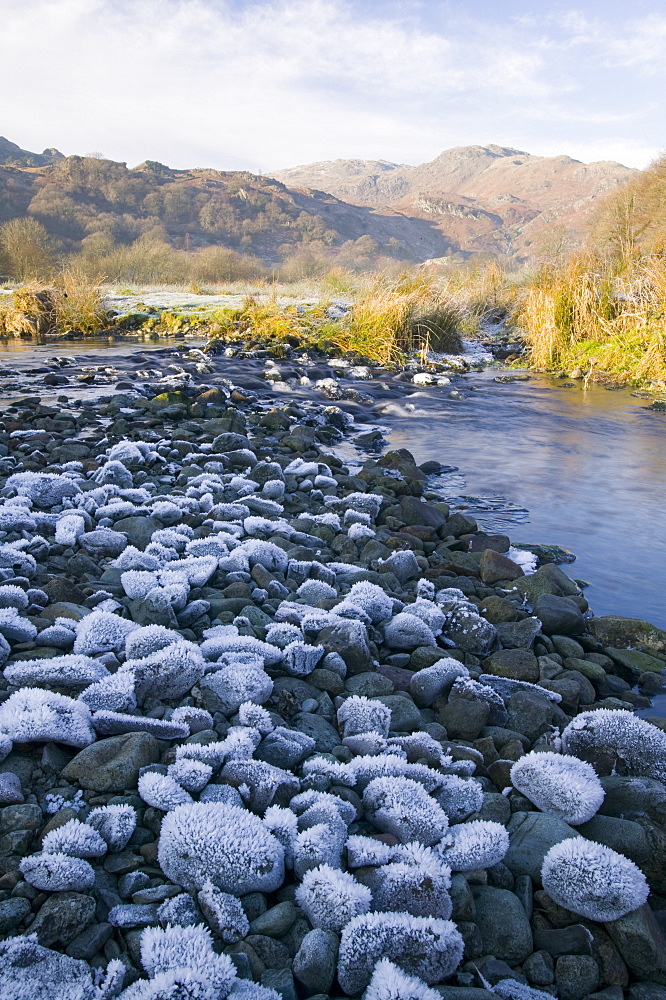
(13, 155)
(481, 198)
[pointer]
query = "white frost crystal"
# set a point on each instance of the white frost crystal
(560, 785)
(57, 873)
(407, 631)
(114, 823)
(256, 717)
(224, 913)
(193, 775)
(479, 844)
(114, 693)
(389, 982)
(617, 741)
(330, 897)
(459, 797)
(320, 844)
(79, 840)
(32, 715)
(169, 672)
(101, 632)
(162, 791)
(223, 844)
(593, 880)
(149, 639)
(402, 807)
(70, 671)
(419, 887)
(361, 715)
(422, 946)
(171, 949)
(282, 823)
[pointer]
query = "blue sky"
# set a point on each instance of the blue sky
(264, 85)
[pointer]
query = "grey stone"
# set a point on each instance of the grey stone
(129, 915)
(641, 943)
(315, 961)
(530, 713)
(112, 765)
(12, 912)
(10, 789)
(503, 923)
(539, 968)
(628, 797)
(280, 980)
(461, 898)
(517, 664)
(274, 954)
(369, 683)
(321, 731)
(405, 716)
(572, 940)
(276, 921)
(350, 640)
(531, 836)
(21, 817)
(576, 976)
(103, 542)
(138, 529)
(621, 835)
(464, 719)
(90, 941)
(284, 747)
(62, 918)
(518, 635)
(559, 615)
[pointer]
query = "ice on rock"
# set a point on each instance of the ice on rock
(359, 714)
(69, 527)
(377, 605)
(418, 885)
(129, 452)
(162, 791)
(132, 558)
(169, 672)
(12, 596)
(593, 880)
(77, 839)
(197, 719)
(511, 989)
(402, 807)
(137, 583)
(283, 824)
(224, 913)
(14, 628)
(282, 634)
(430, 613)
(193, 775)
(335, 771)
(101, 632)
(429, 948)
(256, 717)
(114, 823)
(300, 658)
(558, 784)
(330, 897)
(114, 693)
(479, 844)
(149, 639)
(45, 489)
(311, 804)
(180, 910)
(459, 797)
(114, 473)
(266, 554)
(70, 671)
(364, 769)
(223, 844)
(236, 684)
(173, 949)
(214, 647)
(320, 844)
(314, 591)
(32, 715)
(389, 982)
(57, 872)
(58, 635)
(407, 631)
(428, 684)
(363, 851)
(31, 972)
(617, 741)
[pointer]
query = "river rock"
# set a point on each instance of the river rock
(516, 664)
(559, 614)
(495, 567)
(576, 976)
(62, 918)
(503, 923)
(316, 960)
(613, 630)
(641, 943)
(531, 836)
(112, 765)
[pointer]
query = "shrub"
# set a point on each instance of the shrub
(593, 880)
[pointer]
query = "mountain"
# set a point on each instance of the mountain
(13, 155)
(481, 198)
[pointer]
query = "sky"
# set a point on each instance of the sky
(265, 85)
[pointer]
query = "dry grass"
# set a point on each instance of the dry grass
(612, 326)
(79, 306)
(72, 304)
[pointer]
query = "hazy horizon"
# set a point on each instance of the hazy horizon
(267, 85)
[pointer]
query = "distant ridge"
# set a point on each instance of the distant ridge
(12, 155)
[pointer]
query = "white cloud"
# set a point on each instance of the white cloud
(266, 84)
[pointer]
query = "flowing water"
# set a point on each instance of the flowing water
(540, 460)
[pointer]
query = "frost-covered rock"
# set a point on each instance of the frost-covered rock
(320, 844)
(196, 719)
(314, 591)
(377, 605)
(162, 791)
(101, 632)
(31, 972)
(77, 839)
(389, 982)
(459, 797)
(421, 946)
(169, 672)
(359, 714)
(193, 775)
(45, 489)
(283, 824)
(31, 715)
(226, 690)
(281, 634)
(14, 628)
(593, 880)
(300, 658)
(223, 844)
(12, 596)
(330, 897)
(617, 742)
(115, 824)
(402, 807)
(181, 910)
(114, 693)
(418, 886)
(255, 716)
(407, 631)
(57, 872)
(430, 613)
(558, 784)
(70, 671)
(173, 949)
(479, 844)
(224, 913)
(362, 851)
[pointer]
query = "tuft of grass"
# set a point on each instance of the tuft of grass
(79, 305)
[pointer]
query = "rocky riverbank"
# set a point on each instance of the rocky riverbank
(273, 726)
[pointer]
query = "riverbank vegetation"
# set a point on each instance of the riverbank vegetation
(597, 310)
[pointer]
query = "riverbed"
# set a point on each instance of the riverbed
(543, 461)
